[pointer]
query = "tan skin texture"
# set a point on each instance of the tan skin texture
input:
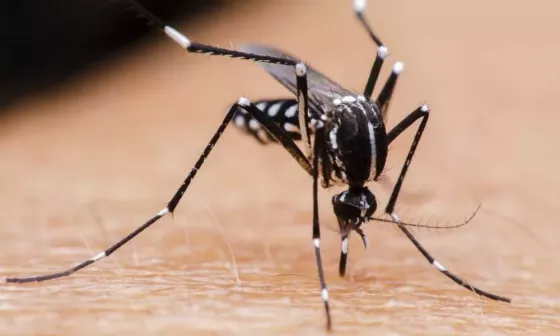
(85, 163)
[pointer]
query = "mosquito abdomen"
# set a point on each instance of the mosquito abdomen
(282, 111)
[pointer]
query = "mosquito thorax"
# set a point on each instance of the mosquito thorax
(353, 207)
(356, 141)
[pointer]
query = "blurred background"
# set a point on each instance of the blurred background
(47, 42)
(101, 118)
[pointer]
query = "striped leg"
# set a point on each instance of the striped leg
(359, 6)
(423, 113)
(343, 256)
(317, 151)
(243, 103)
(193, 47)
(384, 97)
(284, 112)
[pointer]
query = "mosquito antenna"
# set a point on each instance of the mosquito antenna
(425, 226)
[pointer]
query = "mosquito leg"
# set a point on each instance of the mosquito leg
(279, 134)
(444, 270)
(343, 256)
(274, 129)
(303, 117)
(420, 112)
(320, 138)
(303, 107)
(282, 137)
(423, 112)
(382, 51)
(359, 7)
(194, 47)
(170, 208)
(384, 98)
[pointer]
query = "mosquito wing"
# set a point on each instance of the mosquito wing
(322, 90)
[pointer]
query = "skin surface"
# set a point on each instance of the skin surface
(87, 162)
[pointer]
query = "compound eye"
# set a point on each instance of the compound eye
(371, 210)
(372, 206)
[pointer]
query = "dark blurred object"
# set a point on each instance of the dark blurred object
(46, 41)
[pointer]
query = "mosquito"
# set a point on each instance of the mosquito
(343, 134)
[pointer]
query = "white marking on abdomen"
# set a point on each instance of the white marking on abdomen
(291, 111)
(254, 125)
(240, 121)
(291, 127)
(262, 135)
(273, 109)
(261, 105)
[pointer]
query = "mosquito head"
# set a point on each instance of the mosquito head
(353, 207)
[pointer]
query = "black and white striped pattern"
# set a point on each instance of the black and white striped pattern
(96, 257)
(356, 142)
(187, 44)
(282, 111)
